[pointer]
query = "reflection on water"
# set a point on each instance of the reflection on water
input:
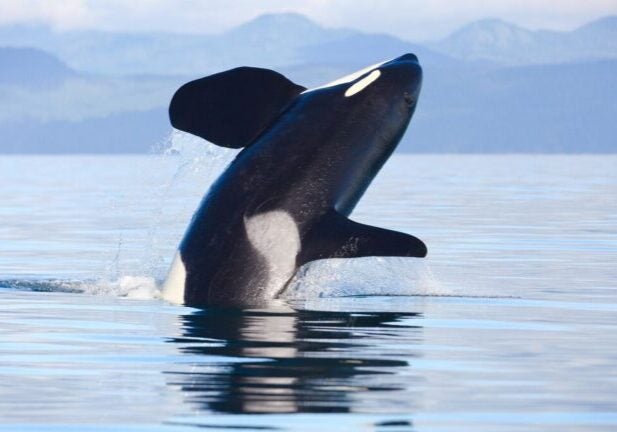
(523, 247)
(287, 361)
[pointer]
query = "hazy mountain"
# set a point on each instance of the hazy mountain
(277, 38)
(37, 86)
(31, 68)
(47, 107)
(324, 62)
(505, 43)
(598, 38)
(291, 39)
(96, 92)
(362, 49)
(567, 108)
(269, 40)
(125, 132)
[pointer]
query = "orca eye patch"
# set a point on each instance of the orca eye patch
(363, 83)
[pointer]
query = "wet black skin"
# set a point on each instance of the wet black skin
(314, 162)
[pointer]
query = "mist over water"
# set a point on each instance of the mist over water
(508, 324)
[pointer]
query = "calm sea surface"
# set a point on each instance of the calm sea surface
(510, 324)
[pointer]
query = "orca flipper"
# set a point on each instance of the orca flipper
(336, 236)
(232, 108)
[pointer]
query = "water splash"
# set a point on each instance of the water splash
(198, 165)
(134, 287)
(137, 264)
(379, 276)
(334, 278)
(193, 165)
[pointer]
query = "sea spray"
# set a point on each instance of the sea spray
(383, 276)
(196, 164)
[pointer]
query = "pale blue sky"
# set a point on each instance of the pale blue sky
(409, 19)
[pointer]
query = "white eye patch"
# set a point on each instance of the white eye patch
(363, 83)
(348, 78)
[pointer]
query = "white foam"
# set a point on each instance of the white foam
(133, 287)
(390, 276)
(139, 287)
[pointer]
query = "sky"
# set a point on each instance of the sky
(408, 19)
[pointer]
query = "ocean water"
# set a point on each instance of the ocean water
(510, 324)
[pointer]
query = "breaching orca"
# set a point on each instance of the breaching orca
(308, 157)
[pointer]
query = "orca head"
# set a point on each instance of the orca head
(399, 77)
(394, 80)
(404, 74)
(382, 96)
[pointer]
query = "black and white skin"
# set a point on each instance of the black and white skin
(308, 157)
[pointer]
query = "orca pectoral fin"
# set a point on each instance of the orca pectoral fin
(232, 108)
(336, 236)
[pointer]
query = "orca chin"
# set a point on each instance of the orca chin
(308, 157)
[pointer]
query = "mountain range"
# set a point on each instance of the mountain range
(489, 87)
(508, 44)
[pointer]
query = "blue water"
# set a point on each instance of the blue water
(510, 324)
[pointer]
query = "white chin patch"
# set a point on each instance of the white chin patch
(173, 288)
(275, 236)
(363, 83)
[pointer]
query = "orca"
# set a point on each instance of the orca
(308, 157)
